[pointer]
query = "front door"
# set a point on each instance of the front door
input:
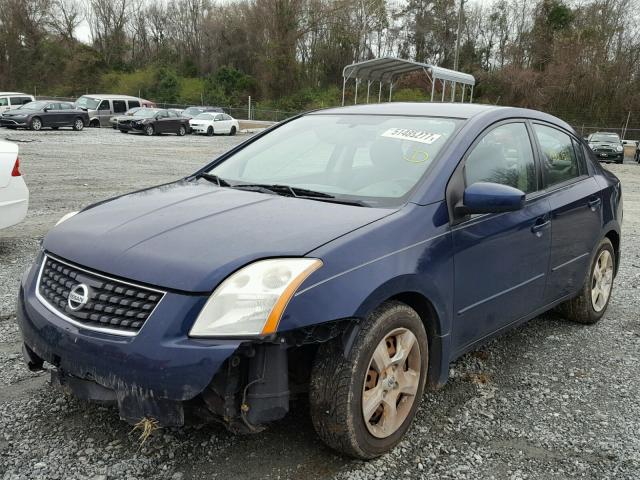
(576, 210)
(501, 259)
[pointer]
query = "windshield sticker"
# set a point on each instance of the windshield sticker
(412, 135)
(416, 156)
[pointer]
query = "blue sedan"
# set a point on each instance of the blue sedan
(348, 255)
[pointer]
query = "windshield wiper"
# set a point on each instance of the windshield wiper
(285, 190)
(298, 192)
(215, 179)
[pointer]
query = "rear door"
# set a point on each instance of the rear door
(500, 259)
(576, 210)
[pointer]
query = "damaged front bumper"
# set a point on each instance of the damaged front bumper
(150, 374)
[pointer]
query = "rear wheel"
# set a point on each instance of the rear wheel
(36, 124)
(94, 123)
(589, 306)
(182, 131)
(148, 130)
(362, 403)
(209, 131)
(232, 132)
(78, 124)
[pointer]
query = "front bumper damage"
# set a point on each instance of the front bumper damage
(160, 371)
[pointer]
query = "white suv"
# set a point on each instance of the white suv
(12, 100)
(14, 194)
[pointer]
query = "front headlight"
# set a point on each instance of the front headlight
(619, 148)
(66, 217)
(251, 301)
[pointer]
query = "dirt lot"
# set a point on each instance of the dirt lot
(548, 400)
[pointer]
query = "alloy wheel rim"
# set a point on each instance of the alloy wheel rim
(602, 281)
(391, 383)
(37, 124)
(79, 124)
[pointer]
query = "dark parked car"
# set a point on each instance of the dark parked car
(114, 120)
(607, 146)
(348, 255)
(154, 121)
(45, 114)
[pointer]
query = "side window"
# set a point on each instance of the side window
(227, 117)
(173, 114)
(134, 104)
(218, 118)
(119, 106)
(66, 106)
(52, 106)
(104, 105)
(15, 101)
(4, 101)
(559, 159)
(163, 114)
(504, 155)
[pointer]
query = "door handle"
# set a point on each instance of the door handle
(541, 224)
(594, 204)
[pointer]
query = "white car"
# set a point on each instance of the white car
(14, 194)
(211, 123)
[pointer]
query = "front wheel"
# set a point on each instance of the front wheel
(589, 306)
(36, 124)
(362, 403)
(232, 132)
(148, 130)
(182, 131)
(209, 131)
(78, 124)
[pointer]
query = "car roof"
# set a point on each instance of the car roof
(449, 110)
(458, 110)
(110, 96)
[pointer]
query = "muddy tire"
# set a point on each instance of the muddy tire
(362, 403)
(592, 301)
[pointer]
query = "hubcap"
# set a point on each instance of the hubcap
(391, 383)
(601, 280)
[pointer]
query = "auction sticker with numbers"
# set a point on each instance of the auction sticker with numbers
(412, 135)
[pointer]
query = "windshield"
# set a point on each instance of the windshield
(35, 105)
(204, 116)
(605, 137)
(193, 111)
(377, 159)
(88, 103)
(145, 113)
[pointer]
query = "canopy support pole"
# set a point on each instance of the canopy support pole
(344, 84)
(355, 98)
(380, 93)
(462, 100)
(471, 97)
(390, 89)
(453, 92)
(368, 88)
(444, 88)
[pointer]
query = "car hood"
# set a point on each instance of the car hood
(605, 144)
(190, 235)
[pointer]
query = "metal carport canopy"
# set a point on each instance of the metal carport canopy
(387, 69)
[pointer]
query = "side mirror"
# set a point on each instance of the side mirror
(485, 197)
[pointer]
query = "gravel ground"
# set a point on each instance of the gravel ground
(548, 400)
